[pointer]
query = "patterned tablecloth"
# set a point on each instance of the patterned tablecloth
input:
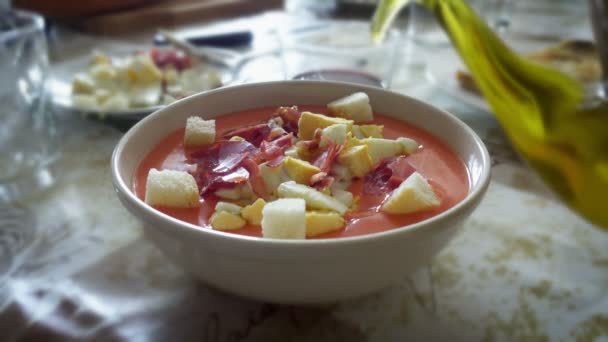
(74, 265)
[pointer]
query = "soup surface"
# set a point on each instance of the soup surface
(434, 160)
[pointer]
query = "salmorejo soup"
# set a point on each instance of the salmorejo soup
(299, 172)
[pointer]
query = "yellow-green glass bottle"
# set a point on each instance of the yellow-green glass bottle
(543, 112)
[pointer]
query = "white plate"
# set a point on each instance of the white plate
(59, 85)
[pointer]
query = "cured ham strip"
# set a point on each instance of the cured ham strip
(273, 149)
(290, 116)
(325, 159)
(388, 175)
(321, 181)
(255, 179)
(276, 161)
(253, 134)
(224, 164)
(231, 154)
(401, 170)
(311, 145)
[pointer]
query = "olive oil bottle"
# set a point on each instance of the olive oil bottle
(545, 114)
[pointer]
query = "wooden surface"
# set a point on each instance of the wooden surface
(168, 13)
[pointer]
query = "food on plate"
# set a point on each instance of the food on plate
(144, 79)
(575, 58)
(301, 172)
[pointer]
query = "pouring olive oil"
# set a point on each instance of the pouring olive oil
(543, 112)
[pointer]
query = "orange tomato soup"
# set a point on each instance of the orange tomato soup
(435, 161)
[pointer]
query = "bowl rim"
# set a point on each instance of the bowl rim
(126, 194)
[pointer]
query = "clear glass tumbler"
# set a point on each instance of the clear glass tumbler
(338, 50)
(27, 131)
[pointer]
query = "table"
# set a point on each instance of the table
(524, 268)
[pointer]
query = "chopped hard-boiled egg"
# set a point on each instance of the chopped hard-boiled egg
(357, 159)
(199, 131)
(354, 107)
(144, 69)
(309, 122)
(138, 78)
(299, 170)
(314, 198)
(83, 84)
(273, 176)
(292, 151)
(229, 193)
(409, 145)
(382, 148)
(346, 197)
(371, 131)
(114, 102)
(224, 220)
(171, 189)
(284, 218)
(253, 212)
(84, 101)
(103, 74)
(229, 207)
(414, 194)
(100, 58)
(336, 133)
(319, 222)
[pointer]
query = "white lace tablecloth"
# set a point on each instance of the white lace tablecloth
(78, 267)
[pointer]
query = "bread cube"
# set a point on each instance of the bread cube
(354, 107)
(414, 194)
(320, 222)
(299, 170)
(253, 212)
(224, 220)
(314, 198)
(309, 122)
(199, 131)
(284, 219)
(171, 188)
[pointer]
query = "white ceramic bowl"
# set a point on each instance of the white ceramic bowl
(304, 271)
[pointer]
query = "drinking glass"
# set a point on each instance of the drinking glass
(338, 50)
(27, 132)
(427, 31)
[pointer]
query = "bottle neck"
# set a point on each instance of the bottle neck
(599, 20)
